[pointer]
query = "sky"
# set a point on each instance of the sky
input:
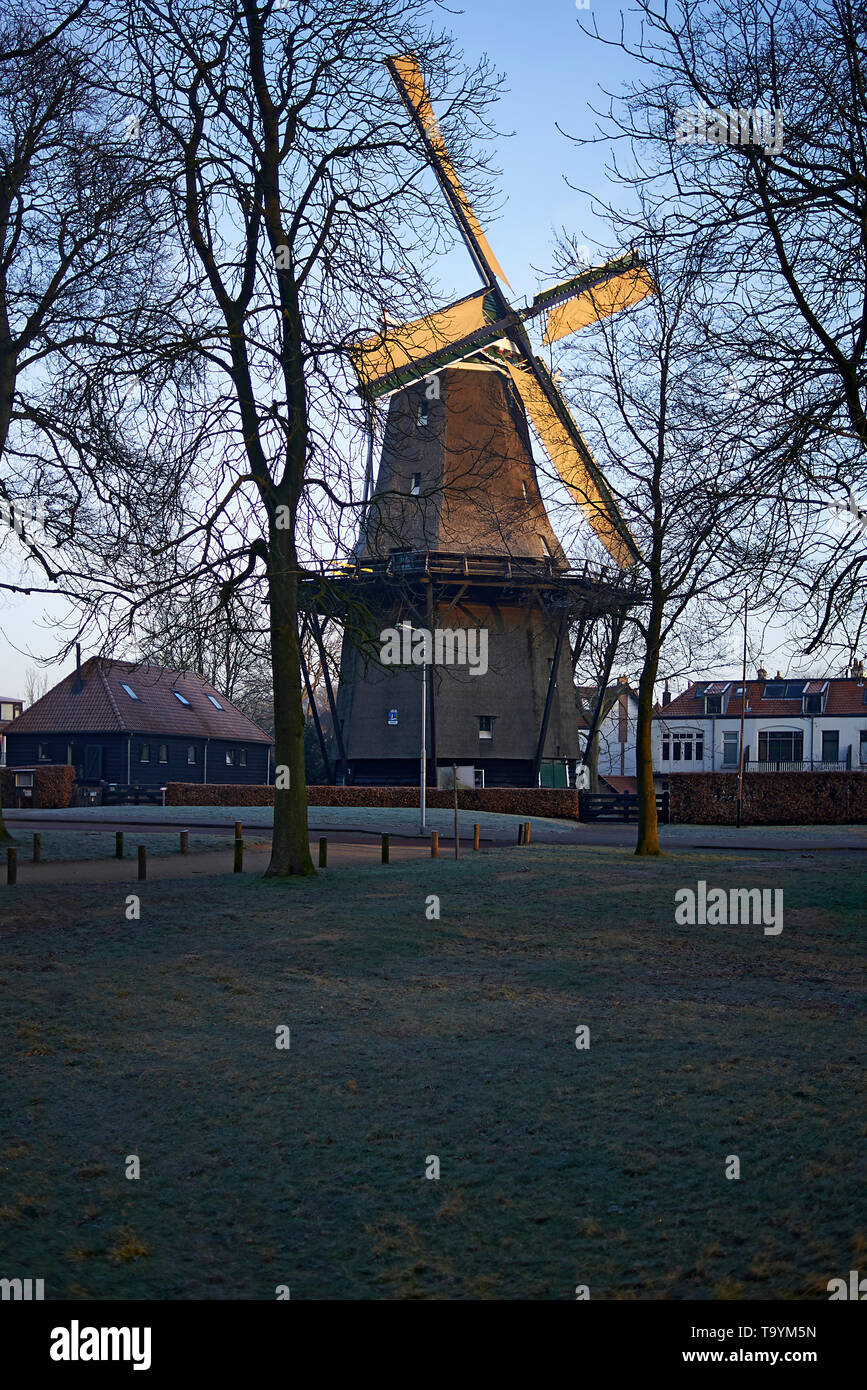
(554, 74)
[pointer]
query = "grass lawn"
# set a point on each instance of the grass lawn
(454, 1038)
(375, 819)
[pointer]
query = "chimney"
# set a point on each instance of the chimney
(78, 683)
(666, 695)
(778, 676)
(762, 674)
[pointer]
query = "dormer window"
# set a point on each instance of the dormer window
(812, 704)
(416, 485)
(715, 697)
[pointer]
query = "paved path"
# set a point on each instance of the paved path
(341, 851)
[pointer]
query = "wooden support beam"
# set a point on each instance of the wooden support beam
(326, 675)
(313, 710)
(549, 698)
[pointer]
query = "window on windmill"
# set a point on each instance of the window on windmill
(182, 698)
(191, 753)
(144, 753)
(230, 757)
(416, 485)
(421, 417)
(242, 757)
(486, 726)
(525, 492)
(163, 755)
(129, 690)
(215, 702)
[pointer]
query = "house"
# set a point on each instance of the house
(10, 708)
(118, 722)
(615, 753)
(790, 725)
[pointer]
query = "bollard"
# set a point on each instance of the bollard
(323, 852)
(239, 830)
(118, 844)
(11, 865)
(142, 862)
(185, 842)
(385, 849)
(239, 856)
(434, 844)
(475, 837)
(526, 832)
(37, 849)
(521, 829)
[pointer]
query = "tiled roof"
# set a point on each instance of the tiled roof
(845, 696)
(102, 705)
(619, 784)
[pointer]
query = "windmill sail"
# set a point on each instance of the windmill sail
(407, 77)
(422, 340)
(599, 292)
(571, 456)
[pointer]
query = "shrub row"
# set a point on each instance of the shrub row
(770, 798)
(52, 787)
(510, 801)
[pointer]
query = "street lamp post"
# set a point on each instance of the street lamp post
(423, 758)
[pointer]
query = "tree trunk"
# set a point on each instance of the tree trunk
(290, 846)
(648, 836)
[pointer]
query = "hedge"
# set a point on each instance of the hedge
(559, 804)
(770, 798)
(52, 787)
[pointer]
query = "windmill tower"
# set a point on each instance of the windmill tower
(455, 538)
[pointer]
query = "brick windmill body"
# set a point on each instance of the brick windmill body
(455, 537)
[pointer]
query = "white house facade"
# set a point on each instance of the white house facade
(617, 728)
(789, 726)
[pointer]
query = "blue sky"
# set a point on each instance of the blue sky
(553, 75)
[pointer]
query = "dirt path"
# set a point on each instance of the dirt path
(341, 851)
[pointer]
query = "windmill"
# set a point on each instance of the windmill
(455, 533)
(484, 326)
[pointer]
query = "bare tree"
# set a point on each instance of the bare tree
(302, 206)
(35, 684)
(687, 473)
(75, 215)
(747, 130)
